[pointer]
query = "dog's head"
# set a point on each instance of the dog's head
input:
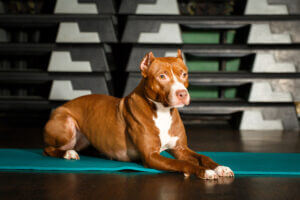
(166, 80)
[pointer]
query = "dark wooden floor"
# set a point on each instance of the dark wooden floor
(140, 186)
(132, 185)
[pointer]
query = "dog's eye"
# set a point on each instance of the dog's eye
(162, 76)
(184, 75)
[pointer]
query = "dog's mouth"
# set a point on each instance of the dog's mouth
(171, 101)
(177, 103)
(178, 106)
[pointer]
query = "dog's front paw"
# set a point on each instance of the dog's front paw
(71, 155)
(210, 174)
(224, 171)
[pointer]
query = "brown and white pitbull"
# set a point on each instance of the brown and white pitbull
(137, 127)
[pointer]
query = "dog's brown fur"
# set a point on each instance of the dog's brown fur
(124, 129)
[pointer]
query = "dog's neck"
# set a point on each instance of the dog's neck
(141, 100)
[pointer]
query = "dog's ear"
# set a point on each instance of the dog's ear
(146, 62)
(179, 54)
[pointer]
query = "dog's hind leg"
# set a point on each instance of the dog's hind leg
(60, 135)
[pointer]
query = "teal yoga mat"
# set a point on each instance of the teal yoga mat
(240, 163)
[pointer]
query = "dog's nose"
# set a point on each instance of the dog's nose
(181, 94)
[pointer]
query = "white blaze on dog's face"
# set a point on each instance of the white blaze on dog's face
(166, 80)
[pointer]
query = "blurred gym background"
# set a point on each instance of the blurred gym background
(243, 57)
(244, 62)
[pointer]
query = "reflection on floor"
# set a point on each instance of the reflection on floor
(143, 186)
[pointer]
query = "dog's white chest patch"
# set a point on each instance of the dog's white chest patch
(163, 122)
